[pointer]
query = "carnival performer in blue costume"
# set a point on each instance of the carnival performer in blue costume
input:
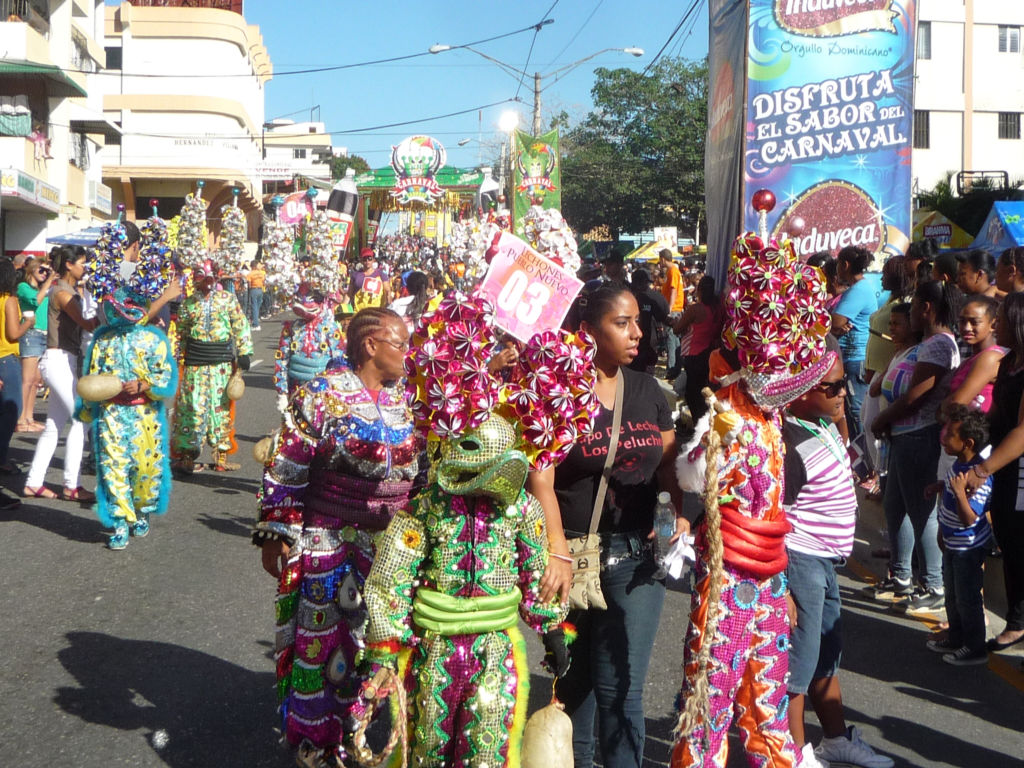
(307, 344)
(129, 429)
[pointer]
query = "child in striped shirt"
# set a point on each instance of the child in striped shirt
(966, 537)
(821, 506)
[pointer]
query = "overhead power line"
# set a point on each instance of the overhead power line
(689, 11)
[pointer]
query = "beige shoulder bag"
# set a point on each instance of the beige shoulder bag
(586, 550)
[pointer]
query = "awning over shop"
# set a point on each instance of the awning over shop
(650, 251)
(27, 193)
(1004, 228)
(93, 122)
(86, 237)
(60, 84)
(448, 176)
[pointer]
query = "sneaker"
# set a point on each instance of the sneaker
(851, 749)
(257, 328)
(120, 538)
(889, 589)
(965, 657)
(941, 646)
(139, 528)
(928, 601)
(810, 760)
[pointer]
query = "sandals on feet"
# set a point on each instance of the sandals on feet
(42, 492)
(79, 494)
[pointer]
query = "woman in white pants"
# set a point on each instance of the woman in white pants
(59, 368)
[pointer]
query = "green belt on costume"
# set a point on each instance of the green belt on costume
(449, 615)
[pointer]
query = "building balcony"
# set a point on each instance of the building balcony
(77, 188)
(18, 152)
(22, 41)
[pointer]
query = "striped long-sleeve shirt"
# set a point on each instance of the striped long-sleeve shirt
(819, 497)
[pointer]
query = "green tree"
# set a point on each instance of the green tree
(341, 164)
(970, 210)
(637, 160)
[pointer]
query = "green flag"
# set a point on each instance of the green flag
(536, 173)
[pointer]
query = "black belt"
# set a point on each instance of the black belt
(208, 352)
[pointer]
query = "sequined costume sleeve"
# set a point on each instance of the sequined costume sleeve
(532, 558)
(285, 479)
(390, 587)
(184, 322)
(159, 369)
(281, 358)
(240, 330)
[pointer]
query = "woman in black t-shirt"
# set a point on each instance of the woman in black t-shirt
(613, 647)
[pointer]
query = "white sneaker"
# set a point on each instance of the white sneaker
(851, 749)
(808, 759)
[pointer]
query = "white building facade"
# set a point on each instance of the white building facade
(51, 124)
(969, 89)
(186, 86)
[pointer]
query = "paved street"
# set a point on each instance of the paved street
(161, 655)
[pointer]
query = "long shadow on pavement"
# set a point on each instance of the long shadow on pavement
(59, 520)
(207, 711)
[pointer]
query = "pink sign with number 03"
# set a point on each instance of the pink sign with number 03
(530, 293)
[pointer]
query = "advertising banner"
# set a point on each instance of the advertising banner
(829, 121)
(530, 293)
(723, 149)
(536, 174)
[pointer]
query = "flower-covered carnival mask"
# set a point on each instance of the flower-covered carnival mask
(492, 432)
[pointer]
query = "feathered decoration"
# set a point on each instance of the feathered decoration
(152, 276)
(192, 231)
(103, 267)
(232, 244)
(279, 258)
(321, 272)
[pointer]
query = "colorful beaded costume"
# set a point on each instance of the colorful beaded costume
(129, 431)
(454, 574)
(212, 331)
(736, 654)
(307, 345)
(344, 463)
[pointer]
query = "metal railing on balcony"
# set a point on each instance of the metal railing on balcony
(224, 5)
(35, 13)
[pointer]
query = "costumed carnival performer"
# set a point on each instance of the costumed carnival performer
(456, 571)
(310, 342)
(344, 462)
(129, 428)
(214, 340)
(736, 653)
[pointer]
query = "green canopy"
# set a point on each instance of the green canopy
(448, 176)
(60, 84)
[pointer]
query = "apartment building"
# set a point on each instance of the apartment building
(296, 152)
(969, 89)
(52, 127)
(185, 84)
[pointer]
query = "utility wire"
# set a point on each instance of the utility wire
(582, 26)
(533, 40)
(682, 21)
(310, 70)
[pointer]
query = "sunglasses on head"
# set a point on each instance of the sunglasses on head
(831, 388)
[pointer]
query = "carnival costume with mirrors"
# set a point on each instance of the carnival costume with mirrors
(129, 432)
(315, 337)
(342, 464)
(456, 571)
(736, 652)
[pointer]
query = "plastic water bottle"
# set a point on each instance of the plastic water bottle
(664, 530)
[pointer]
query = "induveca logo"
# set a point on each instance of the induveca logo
(833, 18)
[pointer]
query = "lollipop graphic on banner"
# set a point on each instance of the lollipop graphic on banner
(232, 245)
(151, 276)
(321, 272)
(192, 229)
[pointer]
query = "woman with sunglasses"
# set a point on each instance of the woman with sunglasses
(344, 462)
(33, 298)
(911, 422)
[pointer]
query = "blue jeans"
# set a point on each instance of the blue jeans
(10, 401)
(255, 305)
(913, 462)
(816, 642)
(671, 348)
(611, 655)
(856, 390)
(965, 608)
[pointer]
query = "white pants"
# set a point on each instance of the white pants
(59, 371)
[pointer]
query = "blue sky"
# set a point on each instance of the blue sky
(313, 33)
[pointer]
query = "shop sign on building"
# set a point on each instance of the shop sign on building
(14, 183)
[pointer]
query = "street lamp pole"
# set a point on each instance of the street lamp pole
(536, 103)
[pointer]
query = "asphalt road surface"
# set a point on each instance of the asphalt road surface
(160, 655)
